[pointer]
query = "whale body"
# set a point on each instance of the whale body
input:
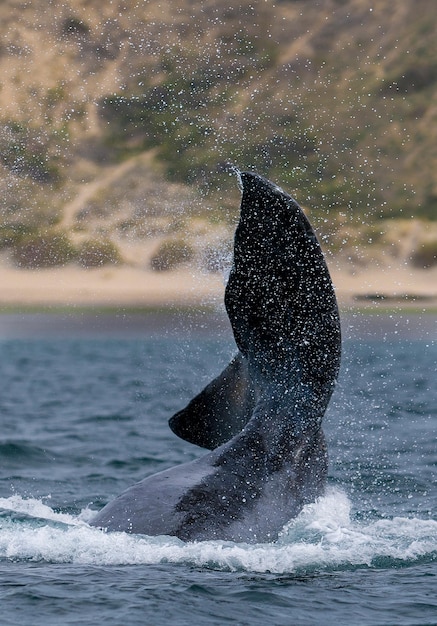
(261, 418)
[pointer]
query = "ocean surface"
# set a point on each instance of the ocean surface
(84, 405)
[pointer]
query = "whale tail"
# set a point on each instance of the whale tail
(283, 311)
(262, 415)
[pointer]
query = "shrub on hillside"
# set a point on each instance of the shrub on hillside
(25, 151)
(98, 252)
(425, 256)
(50, 249)
(13, 233)
(171, 254)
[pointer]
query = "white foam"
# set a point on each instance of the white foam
(324, 536)
(35, 508)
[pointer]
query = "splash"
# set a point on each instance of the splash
(324, 537)
(34, 509)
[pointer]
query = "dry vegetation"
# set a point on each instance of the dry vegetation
(116, 119)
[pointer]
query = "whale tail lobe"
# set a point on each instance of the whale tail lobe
(282, 307)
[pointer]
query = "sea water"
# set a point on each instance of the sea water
(83, 409)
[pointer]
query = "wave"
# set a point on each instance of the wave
(323, 537)
(15, 453)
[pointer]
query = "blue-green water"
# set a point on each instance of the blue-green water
(84, 408)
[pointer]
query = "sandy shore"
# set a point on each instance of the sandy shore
(134, 287)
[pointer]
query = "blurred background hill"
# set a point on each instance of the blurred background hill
(117, 120)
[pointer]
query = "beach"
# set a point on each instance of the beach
(128, 286)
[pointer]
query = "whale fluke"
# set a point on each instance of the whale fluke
(220, 411)
(261, 417)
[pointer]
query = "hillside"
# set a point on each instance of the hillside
(117, 119)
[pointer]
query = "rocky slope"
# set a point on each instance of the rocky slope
(115, 117)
